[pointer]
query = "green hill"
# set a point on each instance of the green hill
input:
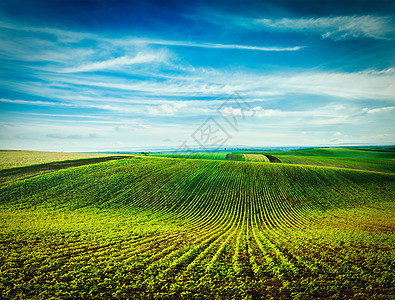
(177, 228)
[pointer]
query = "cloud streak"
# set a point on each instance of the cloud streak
(36, 103)
(126, 60)
(211, 45)
(379, 110)
(336, 28)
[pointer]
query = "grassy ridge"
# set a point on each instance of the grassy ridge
(166, 228)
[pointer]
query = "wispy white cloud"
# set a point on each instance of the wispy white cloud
(209, 45)
(37, 103)
(367, 84)
(119, 94)
(65, 36)
(379, 110)
(71, 136)
(336, 28)
(332, 114)
(63, 115)
(35, 49)
(233, 112)
(132, 126)
(166, 109)
(264, 112)
(140, 58)
(18, 43)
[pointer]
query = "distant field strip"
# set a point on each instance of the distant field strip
(12, 175)
(21, 158)
(208, 155)
(345, 152)
(176, 228)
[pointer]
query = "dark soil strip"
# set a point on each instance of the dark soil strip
(273, 159)
(12, 175)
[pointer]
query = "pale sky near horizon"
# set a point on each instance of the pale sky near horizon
(118, 75)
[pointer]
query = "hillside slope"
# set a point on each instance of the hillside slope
(166, 228)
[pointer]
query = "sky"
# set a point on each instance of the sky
(125, 75)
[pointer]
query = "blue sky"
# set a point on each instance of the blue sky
(98, 75)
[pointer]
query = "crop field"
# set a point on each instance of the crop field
(177, 228)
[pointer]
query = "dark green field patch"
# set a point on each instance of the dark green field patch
(235, 157)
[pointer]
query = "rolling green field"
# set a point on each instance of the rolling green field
(176, 228)
(372, 159)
